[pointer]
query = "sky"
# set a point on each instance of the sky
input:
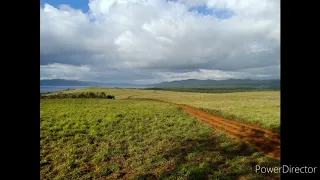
(151, 41)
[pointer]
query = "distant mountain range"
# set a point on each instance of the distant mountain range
(189, 83)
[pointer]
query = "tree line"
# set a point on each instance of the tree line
(61, 95)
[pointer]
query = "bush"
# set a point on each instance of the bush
(91, 95)
(103, 95)
(60, 95)
(110, 97)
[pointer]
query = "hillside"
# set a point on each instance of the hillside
(229, 83)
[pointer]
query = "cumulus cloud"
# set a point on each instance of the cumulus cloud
(56, 71)
(155, 40)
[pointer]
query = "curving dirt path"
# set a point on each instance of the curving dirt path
(263, 139)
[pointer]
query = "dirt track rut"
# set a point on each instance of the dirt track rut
(263, 139)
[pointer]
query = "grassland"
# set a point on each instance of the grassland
(220, 89)
(261, 108)
(114, 139)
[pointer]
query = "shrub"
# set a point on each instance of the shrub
(91, 95)
(103, 95)
(81, 95)
(110, 97)
(60, 95)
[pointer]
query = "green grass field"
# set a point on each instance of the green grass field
(128, 139)
(261, 108)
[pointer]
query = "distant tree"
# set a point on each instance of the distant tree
(92, 95)
(81, 95)
(103, 95)
(76, 95)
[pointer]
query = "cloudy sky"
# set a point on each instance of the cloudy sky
(149, 41)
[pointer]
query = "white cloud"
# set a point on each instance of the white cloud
(159, 36)
(56, 71)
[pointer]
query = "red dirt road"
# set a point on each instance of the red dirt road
(263, 139)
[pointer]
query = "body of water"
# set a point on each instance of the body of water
(45, 89)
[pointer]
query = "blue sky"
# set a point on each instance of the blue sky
(83, 5)
(219, 13)
(77, 4)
